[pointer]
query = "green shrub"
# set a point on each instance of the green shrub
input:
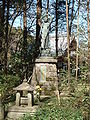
(7, 82)
(56, 112)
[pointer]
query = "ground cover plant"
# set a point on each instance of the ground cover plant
(70, 108)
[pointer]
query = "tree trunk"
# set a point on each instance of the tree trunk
(6, 39)
(56, 30)
(38, 24)
(68, 41)
(2, 11)
(47, 7)
(24, 53)
(71, 18)
(77, 41)
(88, 19)
(24, 29)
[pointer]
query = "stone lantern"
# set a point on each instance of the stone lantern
(24, 102)
(24, 95)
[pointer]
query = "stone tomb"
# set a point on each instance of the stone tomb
(24, 101)
(45, 74)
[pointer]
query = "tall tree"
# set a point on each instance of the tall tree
(68, 41)
(24, 29)
(24, 49)
(47, 7)
(56, 10)
(2, 13)
(77, 41)
(88, 21)
(38, 24)
(72, 17)
(56, 28)
(6, 38)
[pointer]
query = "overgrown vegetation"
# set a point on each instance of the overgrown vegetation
(73, 106)
(69, 109)
(19, 47)
(7, 83)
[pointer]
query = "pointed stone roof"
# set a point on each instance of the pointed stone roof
(24, 86)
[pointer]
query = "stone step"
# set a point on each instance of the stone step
(16, 112)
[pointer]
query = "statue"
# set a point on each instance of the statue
(44, 31)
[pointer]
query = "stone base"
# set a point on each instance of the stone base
(16, 112)
(45, 74)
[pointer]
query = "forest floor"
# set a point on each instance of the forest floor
(73, 106)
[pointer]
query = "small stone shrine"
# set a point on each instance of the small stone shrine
(24, 95)
(24, 101)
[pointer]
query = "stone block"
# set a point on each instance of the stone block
(29, 100)
(15, 112)
(17, 99)
(45, 73)
(24, 101)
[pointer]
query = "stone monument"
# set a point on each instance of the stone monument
(45, 69)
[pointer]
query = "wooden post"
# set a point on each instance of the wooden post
(68, 41)
(77, 42)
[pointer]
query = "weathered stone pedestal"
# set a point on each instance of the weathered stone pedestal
(16, 112)
(45, 75)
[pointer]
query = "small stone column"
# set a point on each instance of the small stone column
(1, 110)
(29, 100)
(89, 76)
(17, 99)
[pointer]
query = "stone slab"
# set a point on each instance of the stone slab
(46, 60)
(16, 112)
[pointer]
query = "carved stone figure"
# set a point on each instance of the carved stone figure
(44, 32)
